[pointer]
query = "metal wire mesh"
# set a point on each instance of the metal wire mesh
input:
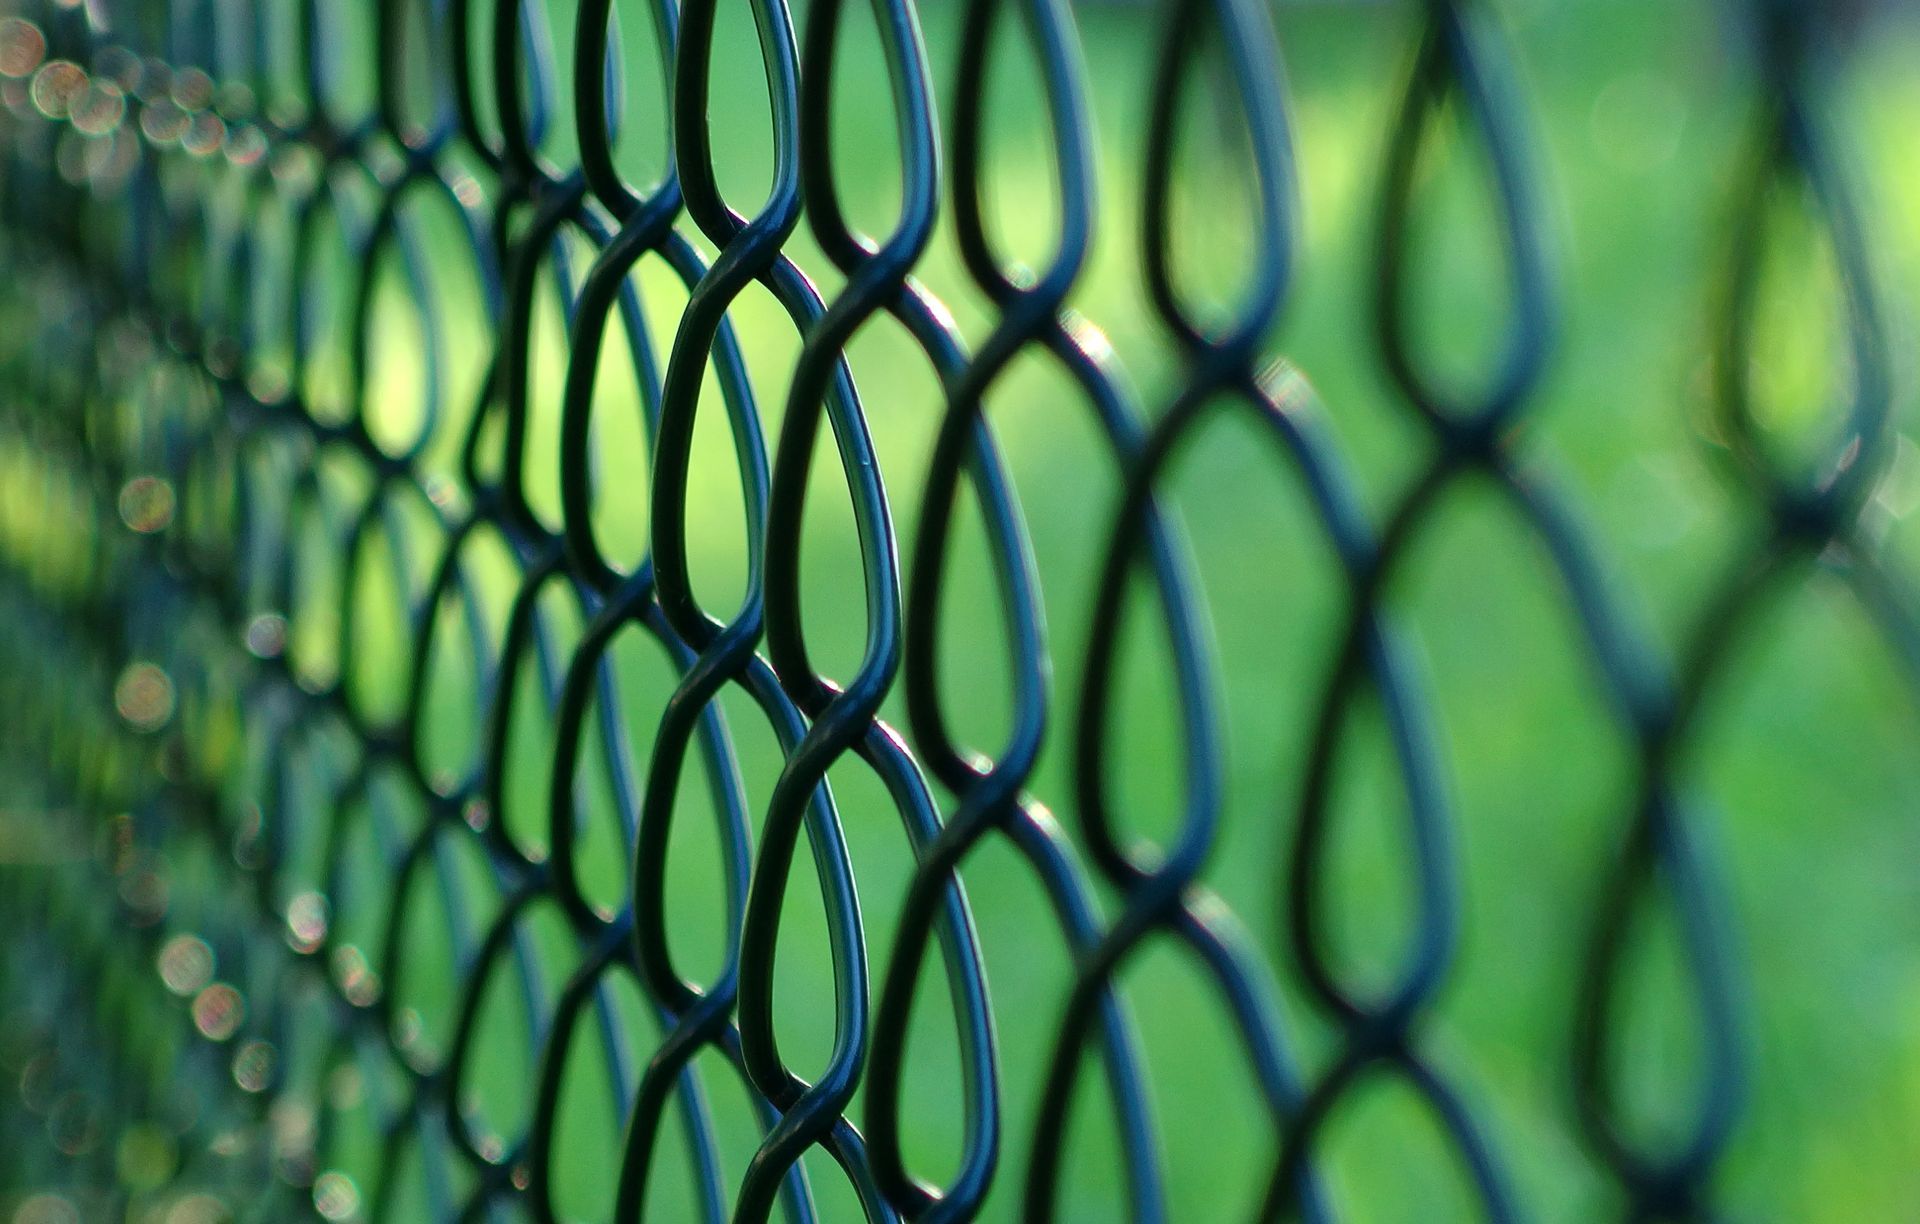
(278, 617)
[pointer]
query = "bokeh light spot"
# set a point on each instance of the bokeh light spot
(218, 1011)
(335, 1196)
(307, 922)
(146, 504)
(144, 697)
(186, 964)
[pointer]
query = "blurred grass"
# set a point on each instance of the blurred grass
(1803, 765)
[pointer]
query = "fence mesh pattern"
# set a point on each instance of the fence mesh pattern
(480, 668)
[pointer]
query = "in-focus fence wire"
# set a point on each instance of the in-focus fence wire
(309, 507)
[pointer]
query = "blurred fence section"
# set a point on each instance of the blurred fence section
(546, 674)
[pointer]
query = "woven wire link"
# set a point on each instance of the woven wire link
(184, 181)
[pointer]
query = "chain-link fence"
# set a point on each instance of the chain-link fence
(723, 611)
